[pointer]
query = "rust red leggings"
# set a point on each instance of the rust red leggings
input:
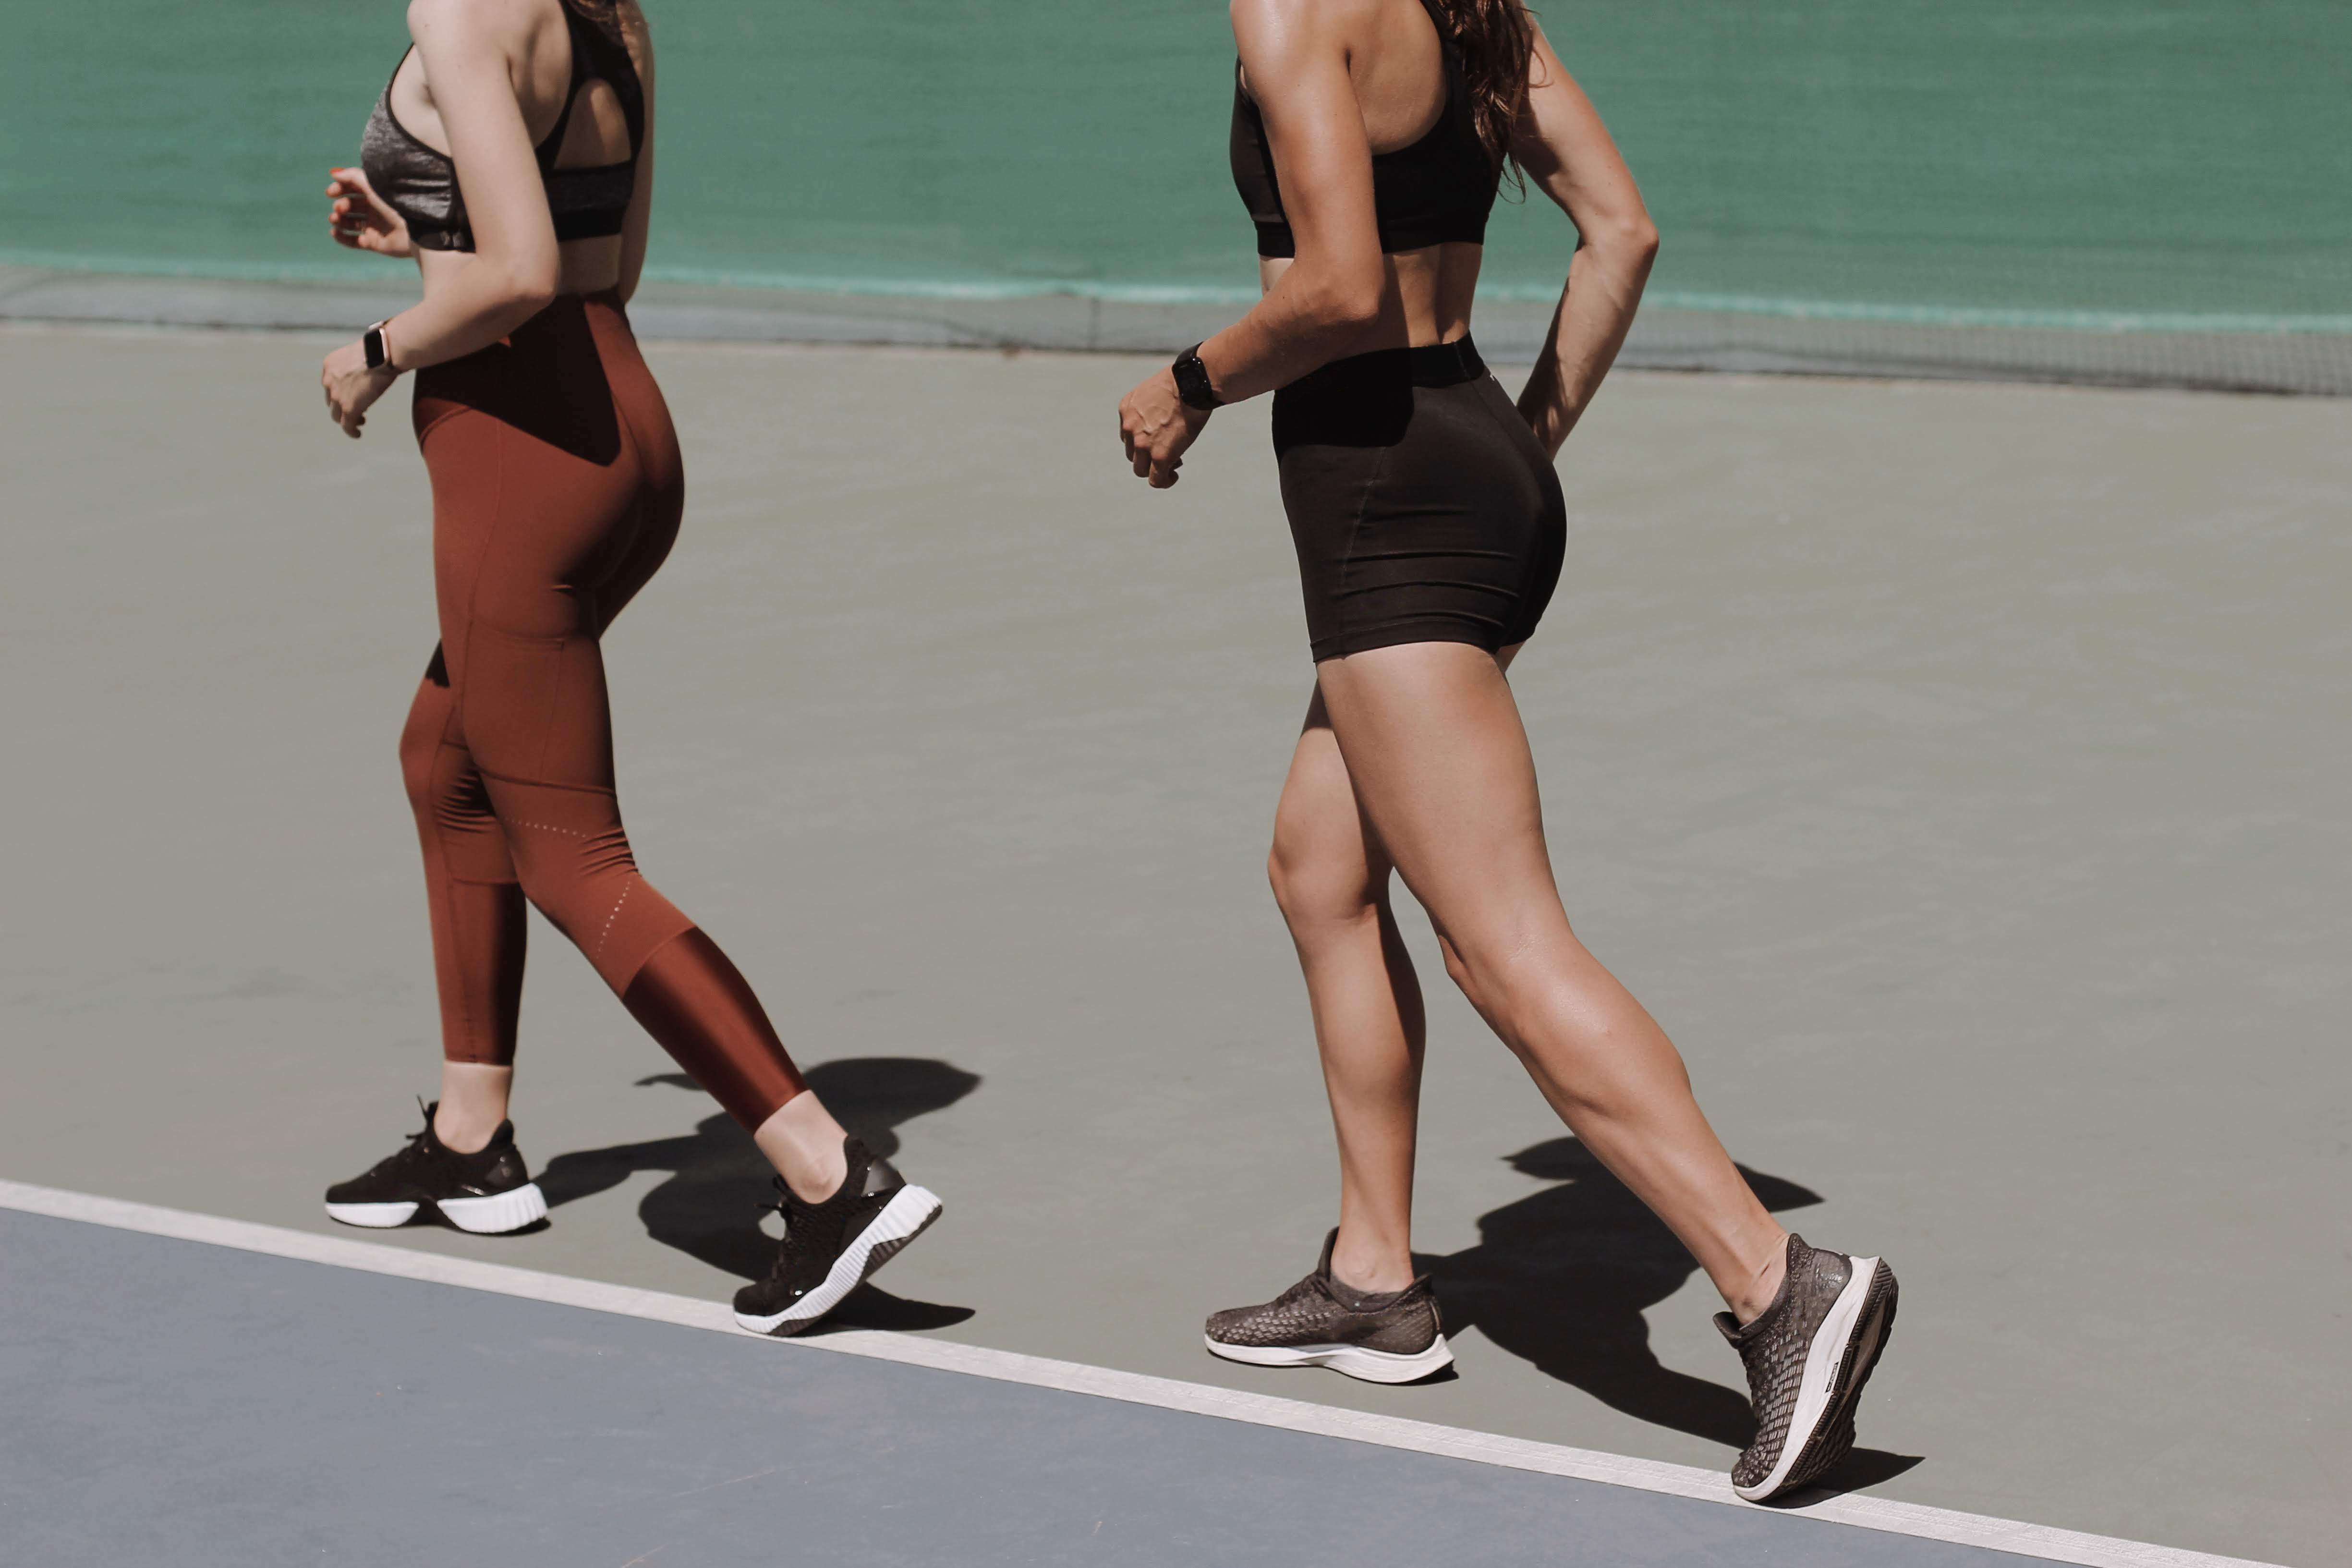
(557, 490)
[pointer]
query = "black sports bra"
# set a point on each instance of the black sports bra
(421, 184)
(1440, 189)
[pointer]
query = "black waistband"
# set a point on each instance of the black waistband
(1432, 364)
(1366, 400)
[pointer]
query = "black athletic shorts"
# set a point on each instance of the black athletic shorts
(1423, 509)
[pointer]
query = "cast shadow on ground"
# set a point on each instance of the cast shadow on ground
(1561, 1278)
(718, 1192)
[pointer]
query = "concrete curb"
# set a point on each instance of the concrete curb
(2315, 363)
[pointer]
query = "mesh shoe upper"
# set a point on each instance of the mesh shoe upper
(1775, 1345)
(429, 1170)
(815, 1235)
(1321, 1310)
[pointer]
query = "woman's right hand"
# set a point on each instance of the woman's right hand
(361, 219)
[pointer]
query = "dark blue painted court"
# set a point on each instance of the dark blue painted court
(171, 1403)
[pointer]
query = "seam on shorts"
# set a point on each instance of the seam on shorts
(1356, 524)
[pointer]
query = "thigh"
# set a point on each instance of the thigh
(524, 533)
(1439, 763)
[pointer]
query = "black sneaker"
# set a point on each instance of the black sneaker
(1808, 1355)
(830, 1249)
(1389, 1337)
(487, 1192)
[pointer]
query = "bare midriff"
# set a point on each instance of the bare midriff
(1424, 297)
(588, 266)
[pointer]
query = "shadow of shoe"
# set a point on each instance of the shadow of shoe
(1858, 1471)
(1562, 1277)
(712, 1205)
(870, 1306)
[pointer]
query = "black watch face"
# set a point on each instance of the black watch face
(1192, 382)
(372, 346)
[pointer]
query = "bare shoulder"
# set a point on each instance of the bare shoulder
(468, 21)
(1272, 20)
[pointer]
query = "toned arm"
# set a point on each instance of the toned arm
(1295, 62)
(515, 268)
(1568, 155)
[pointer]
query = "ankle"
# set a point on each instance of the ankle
(1370, 1270)
(816, 1174)
(463, 1133)
(473, 1105)
(804, 1143)
(1761, 1285)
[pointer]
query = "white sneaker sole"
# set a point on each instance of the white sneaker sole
(1370, 1365)
(493, 1215)
(1838, 1348)
(906, 1216)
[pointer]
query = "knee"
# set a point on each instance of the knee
(1314, 886)
(576, 877)
(1492, 975)
(551, 875)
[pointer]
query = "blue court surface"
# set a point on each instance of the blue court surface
(176, 1401)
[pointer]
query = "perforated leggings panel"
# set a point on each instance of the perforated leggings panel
(557, 493)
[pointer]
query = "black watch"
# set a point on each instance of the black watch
(376, 346)
(1192, 381)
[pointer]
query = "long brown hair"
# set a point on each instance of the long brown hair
(621, 20)
(1497, 42)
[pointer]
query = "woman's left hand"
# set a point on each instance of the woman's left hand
(1156, 426)
(351, 386)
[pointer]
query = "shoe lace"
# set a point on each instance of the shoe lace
(1309, 1287)
(414, 1151)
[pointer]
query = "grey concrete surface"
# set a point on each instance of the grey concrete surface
(1957, 771)
(1509, 331)
(266, 1411)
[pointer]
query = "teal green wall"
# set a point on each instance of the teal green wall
(2132, 159)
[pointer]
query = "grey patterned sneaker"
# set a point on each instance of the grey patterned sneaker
(1808, 1355)
(1389, 1337)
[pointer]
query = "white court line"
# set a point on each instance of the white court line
(1167, 1394)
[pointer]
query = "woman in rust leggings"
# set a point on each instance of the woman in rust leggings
(510, 156)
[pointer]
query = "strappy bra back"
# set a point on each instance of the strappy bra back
(420, 183)
(1438, 190)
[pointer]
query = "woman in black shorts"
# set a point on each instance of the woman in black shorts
(1369, 139)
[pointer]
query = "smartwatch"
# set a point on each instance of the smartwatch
(1192, 386)
(377, 346)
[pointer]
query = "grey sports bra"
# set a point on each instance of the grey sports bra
(421, 184)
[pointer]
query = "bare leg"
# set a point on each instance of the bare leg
(473, 1104)
(1441, 769)
(1331, 877)
(801, 1138)
(803, 1141)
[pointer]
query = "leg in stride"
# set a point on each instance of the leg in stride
(475, 911)
(1330, 875)
(1440, 767)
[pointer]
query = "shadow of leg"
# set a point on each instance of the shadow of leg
(1563, 1277)
(712, 1205)
(873, 1095)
